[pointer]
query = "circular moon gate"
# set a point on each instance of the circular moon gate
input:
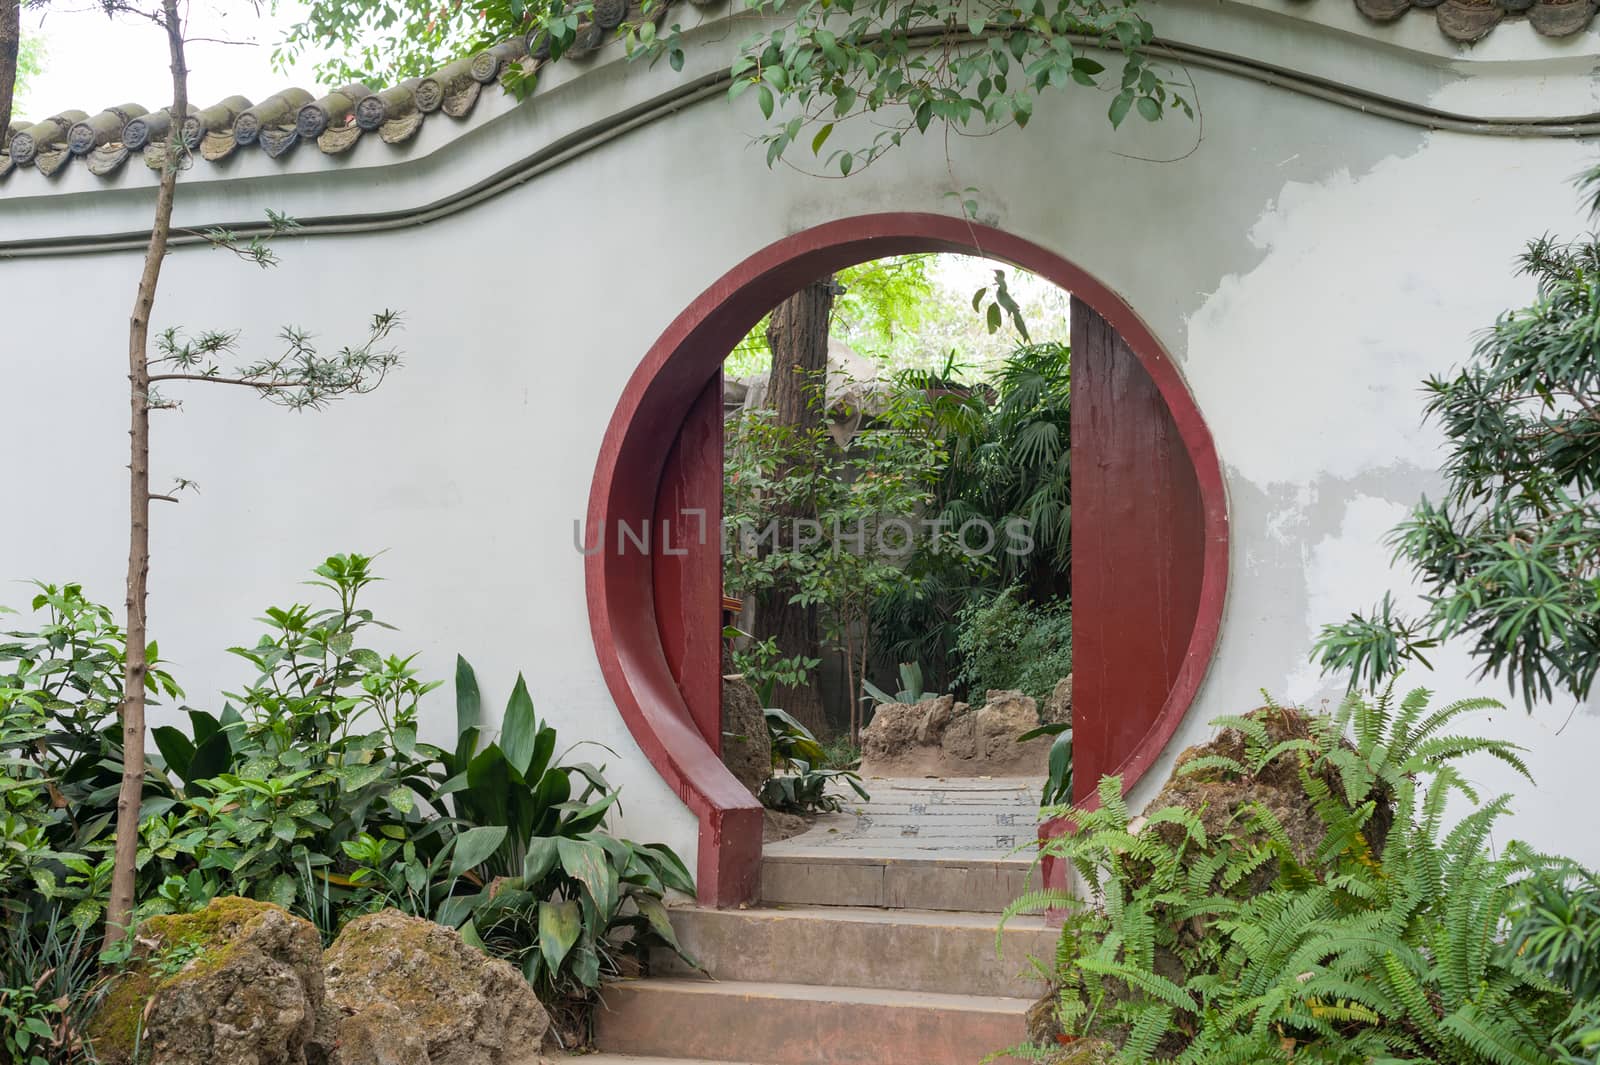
(1150, 532)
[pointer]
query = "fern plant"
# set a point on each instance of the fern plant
(1355, 953)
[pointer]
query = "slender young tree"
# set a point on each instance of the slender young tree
(299, 377)
(119, 909)
(10, 55)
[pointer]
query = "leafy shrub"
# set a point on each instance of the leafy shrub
(1506, 557)
(1057, 790)
(1009, 466)
(49, 986)
(61, 753)
(1555, 928)
(804, 773)
(911, 686)
(1382, 945)
(550, 888)
(314, 792)
(764, 667)
(322, 749)
(1006, 642)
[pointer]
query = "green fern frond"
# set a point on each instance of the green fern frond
(1214, 761)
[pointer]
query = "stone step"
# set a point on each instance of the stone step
(798, 1024)
(907, 950)
(629, 1059)
(947, 882)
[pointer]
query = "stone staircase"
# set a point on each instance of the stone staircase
(849, 960)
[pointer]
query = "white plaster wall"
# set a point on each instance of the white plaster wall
(1305, 264)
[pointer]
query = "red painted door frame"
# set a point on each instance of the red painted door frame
(688, 562)
(636, 652)
(1138, 553)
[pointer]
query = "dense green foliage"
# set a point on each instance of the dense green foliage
(1507, 557)
(1381, 939)
(960, 495)
(61, 753)
(883, 69)
(50, 984)
(1009, 470)
(865, 496)
(1006, 642)
(1556, 929)
(311, 789)
(880, 312)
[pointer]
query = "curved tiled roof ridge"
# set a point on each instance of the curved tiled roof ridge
(337, 120)
(333, 122)
(1467, 21)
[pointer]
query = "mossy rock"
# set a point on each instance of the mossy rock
(394, 979)
(1223, 799)
(238, 981)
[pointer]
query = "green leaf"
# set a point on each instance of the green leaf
(541, 857)
(765, 100)
(587, 863)
(821, 138)
(1150, 108)
(468, 702)
(283, 890)
(175, 749)
(1119, 107)
(402, 799)
(519, 733)
(212, 758)
(474, 847)
(559, 926)
(656, 913)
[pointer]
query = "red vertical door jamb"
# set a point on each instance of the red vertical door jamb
(687, 562)
(1138, 551)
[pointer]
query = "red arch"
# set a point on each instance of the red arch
(652, 409)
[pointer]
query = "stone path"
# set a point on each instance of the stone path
(957, 818)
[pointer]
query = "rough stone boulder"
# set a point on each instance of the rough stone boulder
(1057, 709)
(941, 737)
(746, 744)
(1003, 717)
(237, 983)
(405, 991)
(1221, 798)
(898, 729)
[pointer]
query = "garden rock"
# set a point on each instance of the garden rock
(405, 991)
(1057, 708)
(937, 718)
(746, 744)
(892, 732)
(941, 737)
(236, 983)
(960, 740)
(1221, 798)
(1005, 716)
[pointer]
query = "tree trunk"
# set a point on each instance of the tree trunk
(10, 48)
(119, 910)
(798, 337)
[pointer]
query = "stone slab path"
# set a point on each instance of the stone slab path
(958, 818)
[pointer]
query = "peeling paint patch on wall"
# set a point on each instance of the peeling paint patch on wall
(1360, 294)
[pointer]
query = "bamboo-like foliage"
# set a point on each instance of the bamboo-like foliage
(1508, 557)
